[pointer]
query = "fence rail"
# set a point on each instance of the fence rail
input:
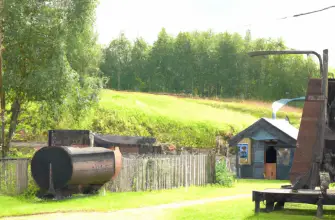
(138, 173)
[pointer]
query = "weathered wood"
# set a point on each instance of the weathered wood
(13, 176)
(282, 196)
(162, 172)
(137, 174)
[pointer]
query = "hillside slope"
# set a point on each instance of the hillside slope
(182, 121)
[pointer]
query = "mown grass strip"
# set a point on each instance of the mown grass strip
(14, 206)
(244, 209)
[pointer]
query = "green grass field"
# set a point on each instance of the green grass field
(244, 209)
(190, 122)
(234, 209)
(182, 121)
(174, 108)
(217, 113)
(11, 206)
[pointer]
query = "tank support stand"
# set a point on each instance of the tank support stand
(256, 197)
(257, 206)
(51, 182)
(279, 206)
(269, 206)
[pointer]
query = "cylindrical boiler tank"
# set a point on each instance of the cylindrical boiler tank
(72, 166)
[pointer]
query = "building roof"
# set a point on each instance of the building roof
(109, 140)
(284, 126)
(69, 137)
(267, 129)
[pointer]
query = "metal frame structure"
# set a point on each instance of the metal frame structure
(312, 179)
(303, 190)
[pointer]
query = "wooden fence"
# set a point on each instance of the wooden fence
(163, 172)
(138, 173)
(13, 176)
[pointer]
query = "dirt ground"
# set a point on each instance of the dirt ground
(145, 213)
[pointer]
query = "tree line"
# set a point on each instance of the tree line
(54, 68)
(206, 64)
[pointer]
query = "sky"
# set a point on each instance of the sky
(146, 18)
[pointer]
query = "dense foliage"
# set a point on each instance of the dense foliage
(222, 175)
(50, 62)
(206, 64)
(53, 71)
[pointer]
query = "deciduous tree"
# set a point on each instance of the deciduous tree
(50, 57)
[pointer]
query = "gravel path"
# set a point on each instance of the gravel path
(145, 213)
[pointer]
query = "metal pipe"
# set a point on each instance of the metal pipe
(325, 73)
(280, 103)
(283, 52)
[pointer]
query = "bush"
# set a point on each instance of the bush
(223, 176)
(133, 122)
(31, 190)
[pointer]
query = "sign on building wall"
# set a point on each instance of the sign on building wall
(244, 148)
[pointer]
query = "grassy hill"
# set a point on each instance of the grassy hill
(182, 121)
(169, 118)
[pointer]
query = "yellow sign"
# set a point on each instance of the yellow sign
(244, 149)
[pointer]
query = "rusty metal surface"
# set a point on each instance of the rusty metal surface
(307, 136)
(69, 137)
(311, 139)
(107, 140)
(92, 172)
(72, 166)
(81, 139)
(92, 165)
(118, 162)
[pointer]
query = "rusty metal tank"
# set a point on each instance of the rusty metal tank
(56, 168)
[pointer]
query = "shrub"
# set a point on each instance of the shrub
(223, 176)
(31, 190)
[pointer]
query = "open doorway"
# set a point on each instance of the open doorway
(270, 160)
(271, 155)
